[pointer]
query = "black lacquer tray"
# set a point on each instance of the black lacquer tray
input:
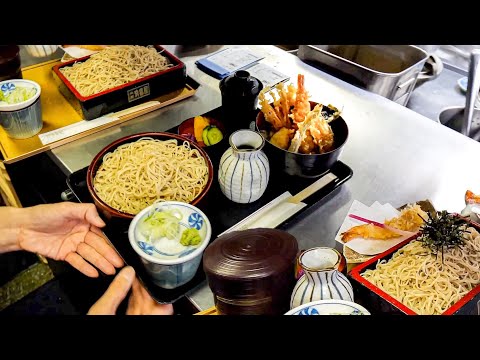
(221, 212)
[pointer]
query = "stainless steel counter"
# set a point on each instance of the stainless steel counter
(397, 155)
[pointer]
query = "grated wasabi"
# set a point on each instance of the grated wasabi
(190, 237)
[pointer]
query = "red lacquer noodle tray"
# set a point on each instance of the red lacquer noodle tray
(126, 95)
(378, 301)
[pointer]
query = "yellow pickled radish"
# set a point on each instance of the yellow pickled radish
(199, 123)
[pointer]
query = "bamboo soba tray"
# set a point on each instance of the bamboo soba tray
(58, 113)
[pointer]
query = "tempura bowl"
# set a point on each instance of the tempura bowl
(110, 212)
(303, 165)
(171, 269)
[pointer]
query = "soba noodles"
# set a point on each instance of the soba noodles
(423, 282)
(137, 174)
(114, 66)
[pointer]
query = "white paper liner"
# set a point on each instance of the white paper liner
(376, 212)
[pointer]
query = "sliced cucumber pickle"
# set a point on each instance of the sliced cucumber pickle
(204, 135)
(214, 135)
(211, 135)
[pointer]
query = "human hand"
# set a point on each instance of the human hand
(71, 232)
(139, 303)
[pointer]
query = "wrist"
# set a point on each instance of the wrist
(11, 222)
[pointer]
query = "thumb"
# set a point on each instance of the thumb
(92, 216)
(116, 292)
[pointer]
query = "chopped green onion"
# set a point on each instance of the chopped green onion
(17, 95)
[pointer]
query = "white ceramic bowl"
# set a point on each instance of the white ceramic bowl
(41, 50)
(329, 307)
(171, 266)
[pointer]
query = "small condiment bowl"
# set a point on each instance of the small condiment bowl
(187, 129)
(22, 119)
(170, 264)
(329, 307)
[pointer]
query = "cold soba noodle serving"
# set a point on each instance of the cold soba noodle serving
(429, 280)
(137, 174)
(114, 66)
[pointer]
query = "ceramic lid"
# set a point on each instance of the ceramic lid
(246, 262)
(242, 84)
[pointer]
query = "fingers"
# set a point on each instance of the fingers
(101, 245)
(116, 292)
(85, 211)
(93, 217)
(165, 309)
(92, 256)
(137, 288)
(141, 303)
(81, 265)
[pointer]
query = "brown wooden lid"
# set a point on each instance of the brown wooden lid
(249, 261)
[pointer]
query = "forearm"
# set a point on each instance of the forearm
(11, 221)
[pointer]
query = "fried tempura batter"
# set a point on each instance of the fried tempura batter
(282, 138)
(302, 105)
(410, 218)
(290, 109)
(368, 231)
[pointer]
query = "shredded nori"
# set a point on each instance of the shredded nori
(442, 231)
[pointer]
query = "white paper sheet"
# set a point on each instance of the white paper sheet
(376, 212)
(233, 59)
(73, 129)
(266, 74)
(77, 52)
(270, 215)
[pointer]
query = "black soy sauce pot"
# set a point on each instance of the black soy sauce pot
(239, 92)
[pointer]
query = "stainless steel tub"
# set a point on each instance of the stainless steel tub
(387, 70)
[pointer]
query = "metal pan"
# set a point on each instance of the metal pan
(388, 70)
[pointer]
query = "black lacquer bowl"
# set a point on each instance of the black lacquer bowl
(304, 165)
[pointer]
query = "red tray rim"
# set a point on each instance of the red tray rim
(56, 69)
(355, 274)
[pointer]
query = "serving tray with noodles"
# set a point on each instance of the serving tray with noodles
(82, 82)
(213, 205)
(379, 301)
(59, 114)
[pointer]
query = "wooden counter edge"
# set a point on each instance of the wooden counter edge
(209, 311)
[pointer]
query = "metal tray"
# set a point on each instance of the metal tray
(387, 70)
(214, 206)
(126, 95)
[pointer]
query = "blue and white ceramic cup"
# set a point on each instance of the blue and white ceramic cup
(23, 119)
(169, 264)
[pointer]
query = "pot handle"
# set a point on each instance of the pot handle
(472, 91)
(435, 64)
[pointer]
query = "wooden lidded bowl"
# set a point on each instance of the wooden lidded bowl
(252, 272)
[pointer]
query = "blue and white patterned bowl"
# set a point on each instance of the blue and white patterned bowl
(171, 266)
(23, 119)
(329, 307)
